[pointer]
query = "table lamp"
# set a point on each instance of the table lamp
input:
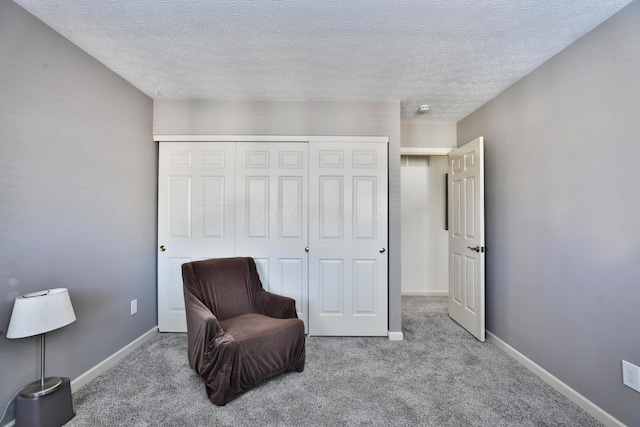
(37, 313)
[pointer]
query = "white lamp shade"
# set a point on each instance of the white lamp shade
(40, 312)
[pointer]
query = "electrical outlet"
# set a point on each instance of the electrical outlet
(134, 306)
(631, 375)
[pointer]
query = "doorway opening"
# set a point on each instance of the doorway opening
(425, 242)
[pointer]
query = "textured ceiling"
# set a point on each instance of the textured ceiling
(454, 55)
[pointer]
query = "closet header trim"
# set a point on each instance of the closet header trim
(268, 138)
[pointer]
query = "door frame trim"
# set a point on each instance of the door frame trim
(159, 138)
(425, 151)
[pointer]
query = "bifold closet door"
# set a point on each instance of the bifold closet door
(271, 216)
(196, 204)
(348, 292)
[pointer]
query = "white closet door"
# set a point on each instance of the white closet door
(271, 216)
(348, 293)
(195, 217)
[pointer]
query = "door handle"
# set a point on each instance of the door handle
(162, 248)
(382, 250)
(306, 249)
(477, 248)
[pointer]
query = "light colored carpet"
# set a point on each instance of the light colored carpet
(438, 376)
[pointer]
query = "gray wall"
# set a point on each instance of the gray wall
(563, 210)
(311, 118)
(430, 135)
(77, 199)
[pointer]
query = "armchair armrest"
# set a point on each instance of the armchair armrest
(202, 330)
(211, 351)
(277, 306)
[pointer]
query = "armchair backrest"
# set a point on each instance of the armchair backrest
(227, 286)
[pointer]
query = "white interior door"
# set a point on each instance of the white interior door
(271, 216)
(466, 237)
(196, 183)
(348, 292)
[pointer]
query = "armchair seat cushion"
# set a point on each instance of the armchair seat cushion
(266, 347)
(257, 332)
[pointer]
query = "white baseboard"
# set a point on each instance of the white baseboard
(588, 406)
(110, 361)
(426, 293)
(395, 336)
(107, 363)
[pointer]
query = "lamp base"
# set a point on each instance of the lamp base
(51, 410)
(36, 389)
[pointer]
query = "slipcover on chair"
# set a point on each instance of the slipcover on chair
(239, 335)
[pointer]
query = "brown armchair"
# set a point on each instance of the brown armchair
(239, 335)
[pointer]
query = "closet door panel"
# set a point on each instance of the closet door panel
(271, 205)
(330, 286)
(291, 205)
(255, 215)
(196, 209)
(348, 239)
